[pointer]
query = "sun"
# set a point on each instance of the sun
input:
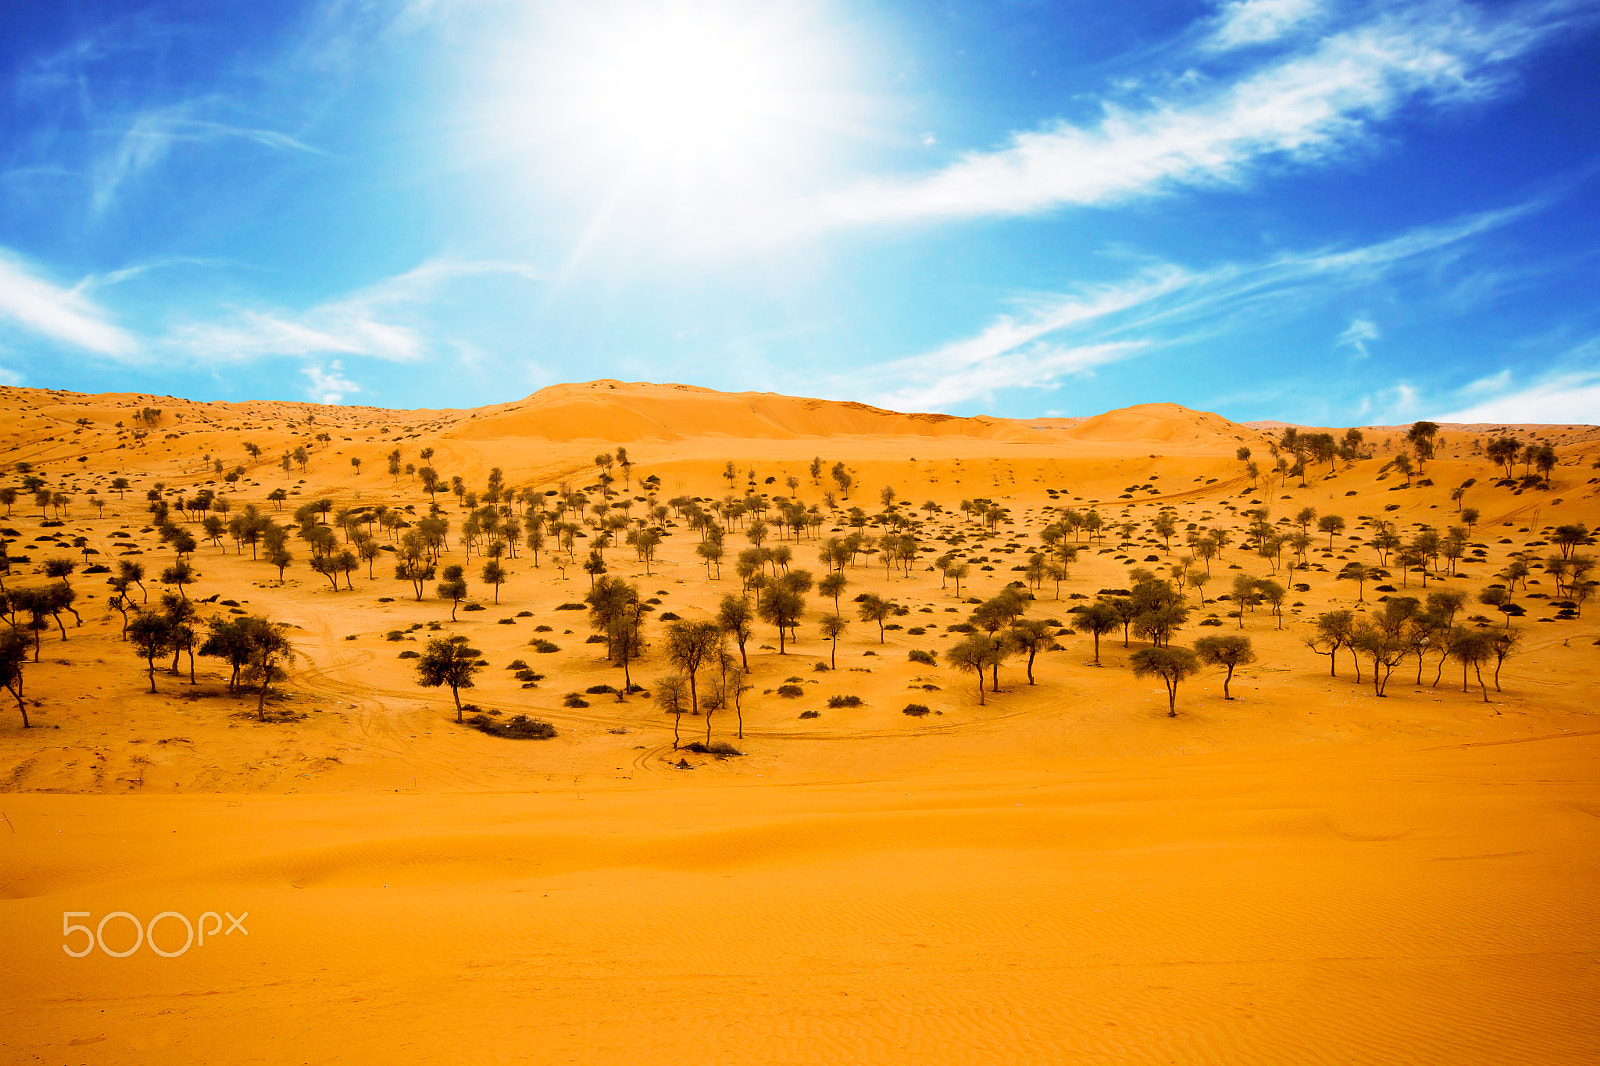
(687, 83)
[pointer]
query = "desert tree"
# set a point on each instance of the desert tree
(833, 627)
(60, 567)
(1472, 648)
(1332, 525)
(973, 656)
(452, 587)
(1569, 537)
(689, 646)
(179, 574)
(134, 574)
(1228, 652)
(1273, 594)
(1505, 643)
(1170, 664)
(1334, 630)
(13, 654)
(1029, 636)
(494, 574)
(1383, 639)
(1098, 618)
(151, 636)
(449, 661)
(672, 696)
(1498, 597)
(735, 618)
(1358, 573)
(874, 608)
(782, 608)
(1421, 437)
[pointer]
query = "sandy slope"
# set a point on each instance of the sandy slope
(1306, 873)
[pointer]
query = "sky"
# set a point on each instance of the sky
(1322, 212)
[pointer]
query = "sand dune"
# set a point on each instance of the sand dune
(1060, 873)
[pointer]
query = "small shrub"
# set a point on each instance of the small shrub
(544, 647)
(601, 690)
(720, 748)
(844, 701)
(789, 692)
(575, 699)
(524, 614)
(516, 664)
(917, 655)
(543, 629)
(596, 639)
(669, 617)
(410, 654)
(572, 607)
(818, 714)
(915, 710)
(394, 634)
(520, 727)
(474, 607)
(528, 675)
(820, 668)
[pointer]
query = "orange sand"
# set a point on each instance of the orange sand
(1304, 874)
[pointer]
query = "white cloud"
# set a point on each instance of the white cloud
(63, 315)
(1056, 336)
(329, 385)
(1356, 336)
(1246, 22)
(1571, 398)
(1307, 107)
(1489, 386)
(382, 321)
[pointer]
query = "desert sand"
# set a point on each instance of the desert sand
(1306, 872)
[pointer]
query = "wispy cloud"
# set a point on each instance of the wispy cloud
(1240, 23)
(328, 384)
(1053, 337)
(1356, 336)
(385, 321)
(63, 315)
(1308, 107)
(151, 135)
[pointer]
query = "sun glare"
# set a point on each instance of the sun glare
(687, 84)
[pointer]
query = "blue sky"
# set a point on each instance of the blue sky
(1330, 213)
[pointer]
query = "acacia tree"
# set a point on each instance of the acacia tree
(874, 608)
(1031, 636)
(972, 656)
(452, 588)
(1170, 664)
(1334, 630)
(1228, 652)
(734, 617)
(672, 696)
(690, 645)
(494, 574)
(1098, 618)
(833, 627)
(13, 653)
(449, 661)
(151, 635)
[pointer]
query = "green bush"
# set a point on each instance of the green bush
(544, 647)
(410, 654)
(915, 710)
(916, 655)
(789, 692)
(844, 701)
(810, 714)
